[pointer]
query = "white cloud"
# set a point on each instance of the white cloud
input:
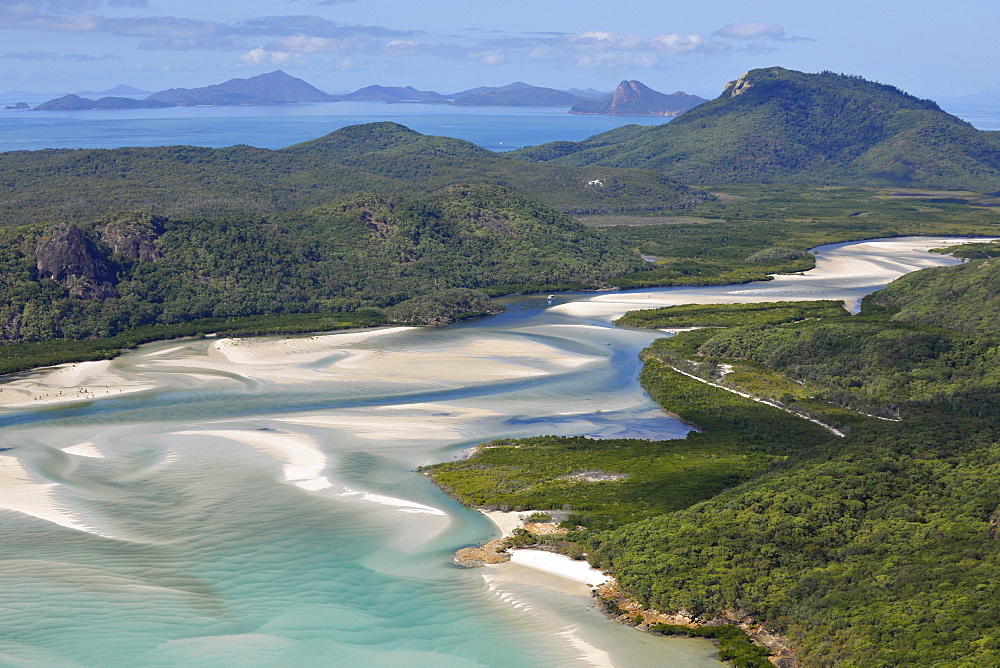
(676, 44)
(757, 30)
(751, 30)
(261, 56)
(489, 57)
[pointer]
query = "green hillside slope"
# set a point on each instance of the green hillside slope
(778, 125)
(360, 251)
(84, 185)
(876, 549)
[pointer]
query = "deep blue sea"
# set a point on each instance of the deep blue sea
(494, 128)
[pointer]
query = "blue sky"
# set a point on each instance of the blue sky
(928, 48)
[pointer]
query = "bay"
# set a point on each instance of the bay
(255, 501)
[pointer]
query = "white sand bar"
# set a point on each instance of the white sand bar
(80, 381)
(860, 267)
(560, 565)
(23, 494)
(429, 421)
(303, 462)
(343, 358)
(302, 349)
(86, 449)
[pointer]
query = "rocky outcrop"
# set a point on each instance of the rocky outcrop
(738, 87)
(134, 236)
(67, 256)
(632, 98)
(626, 609)
(493, 552)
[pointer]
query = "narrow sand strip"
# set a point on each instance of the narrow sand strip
(426, 421)
(303, 461)
(166, 351)
(79, 381)
(23, 494)
(560, 565)
(86, 449)
(588, 653)
(861, 266)
(403, 505)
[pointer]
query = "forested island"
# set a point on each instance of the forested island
(870, 540)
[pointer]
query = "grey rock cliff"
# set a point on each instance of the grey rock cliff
(134, 237)
(67, 256)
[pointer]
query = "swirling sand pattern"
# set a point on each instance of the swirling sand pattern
(254, 502)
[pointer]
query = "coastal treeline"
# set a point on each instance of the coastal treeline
(878, 548)
(749, 232)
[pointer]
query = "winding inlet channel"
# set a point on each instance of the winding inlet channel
(254, 501)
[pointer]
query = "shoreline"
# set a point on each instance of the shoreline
(590, 306)
(546, 561)
(616, 605)
(260, 358)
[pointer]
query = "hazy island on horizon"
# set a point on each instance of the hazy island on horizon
(632, 98)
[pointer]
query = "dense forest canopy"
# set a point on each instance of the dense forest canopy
(355, 252)
(878, 548)
(85, 184)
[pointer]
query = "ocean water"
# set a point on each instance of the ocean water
(982, 116)
(494, 128)
(256, 502)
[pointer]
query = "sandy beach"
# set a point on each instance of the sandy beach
(867, 265)
(79, 381)
(544, 561)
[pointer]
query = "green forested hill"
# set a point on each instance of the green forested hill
(778, 125)
(966, 298)
(360, 251)
(86, 184)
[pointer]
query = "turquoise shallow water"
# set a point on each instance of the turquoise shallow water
(257, 503)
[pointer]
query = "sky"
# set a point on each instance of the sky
(930, 49)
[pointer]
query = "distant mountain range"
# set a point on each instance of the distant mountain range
(775, 125)
(517, 94)
(266, 89)
(280, 88)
